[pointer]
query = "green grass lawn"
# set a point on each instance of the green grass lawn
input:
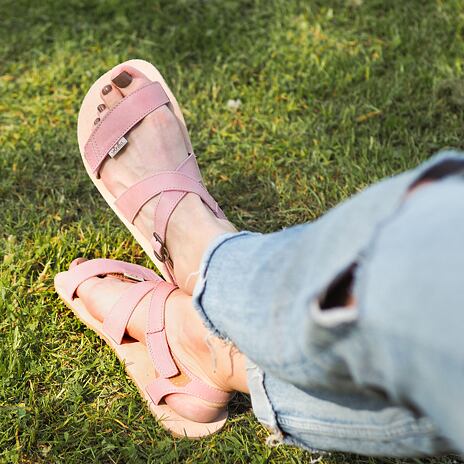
(334, 96)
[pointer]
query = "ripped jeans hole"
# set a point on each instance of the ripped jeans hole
(339, 293)
(438, 171)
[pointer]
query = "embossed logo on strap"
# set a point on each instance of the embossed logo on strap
(117, 147)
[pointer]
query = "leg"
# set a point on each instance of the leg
(309, 257)
(250, 281)
(243, 293)
(410, 291)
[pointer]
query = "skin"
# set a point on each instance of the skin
(157, 144)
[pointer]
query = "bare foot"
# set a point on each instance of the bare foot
(157, 144)
(210, 359)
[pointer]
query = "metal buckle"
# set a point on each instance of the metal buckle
(133, 277)
(164, 256)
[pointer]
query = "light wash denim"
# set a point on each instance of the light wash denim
(384, 377)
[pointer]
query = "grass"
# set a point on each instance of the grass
(334, 96)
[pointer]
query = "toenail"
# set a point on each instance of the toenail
(122, 80)
(96, 121)
(107, 89)
(101, 107)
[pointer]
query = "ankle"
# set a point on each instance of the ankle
(184, 328)
(191, 230)
(191, 218)
(215, 361)
(188, 339)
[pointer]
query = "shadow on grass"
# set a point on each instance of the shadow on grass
(239, 405)
(178, 32)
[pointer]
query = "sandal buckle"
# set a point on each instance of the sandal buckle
(133, 277)
(163, 256)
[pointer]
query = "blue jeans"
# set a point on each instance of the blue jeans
(383, 376)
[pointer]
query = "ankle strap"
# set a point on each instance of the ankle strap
(133, 199)
(163, 360)
(173, 186)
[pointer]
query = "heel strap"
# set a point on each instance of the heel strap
(166, 367)
(160, 388)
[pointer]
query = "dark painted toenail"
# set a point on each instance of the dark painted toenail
(122, 80)
(107, 89)
(96, 121)
(101, 107)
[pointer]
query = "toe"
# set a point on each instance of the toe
(76, 262)
(128, 79)
(102, 109)
(110, 96)
(100, 294)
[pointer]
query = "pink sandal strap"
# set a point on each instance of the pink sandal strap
(161, 387)
(97, 267)
(107, 138)
(167, 203)
(133, 199)
(172, 186)
(163, 361)
(115, 323)
(155, 336)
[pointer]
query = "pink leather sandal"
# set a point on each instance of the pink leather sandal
(110, 136)
(151, 367)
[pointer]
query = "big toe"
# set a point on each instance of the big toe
(99, 295)
(128, 79)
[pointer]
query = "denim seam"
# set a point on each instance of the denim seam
(262, 405)
(278, 432)
(404, 429)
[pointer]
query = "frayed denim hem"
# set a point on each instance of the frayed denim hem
(201, 285)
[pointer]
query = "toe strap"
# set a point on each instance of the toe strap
(82, 271)
(107, 137)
